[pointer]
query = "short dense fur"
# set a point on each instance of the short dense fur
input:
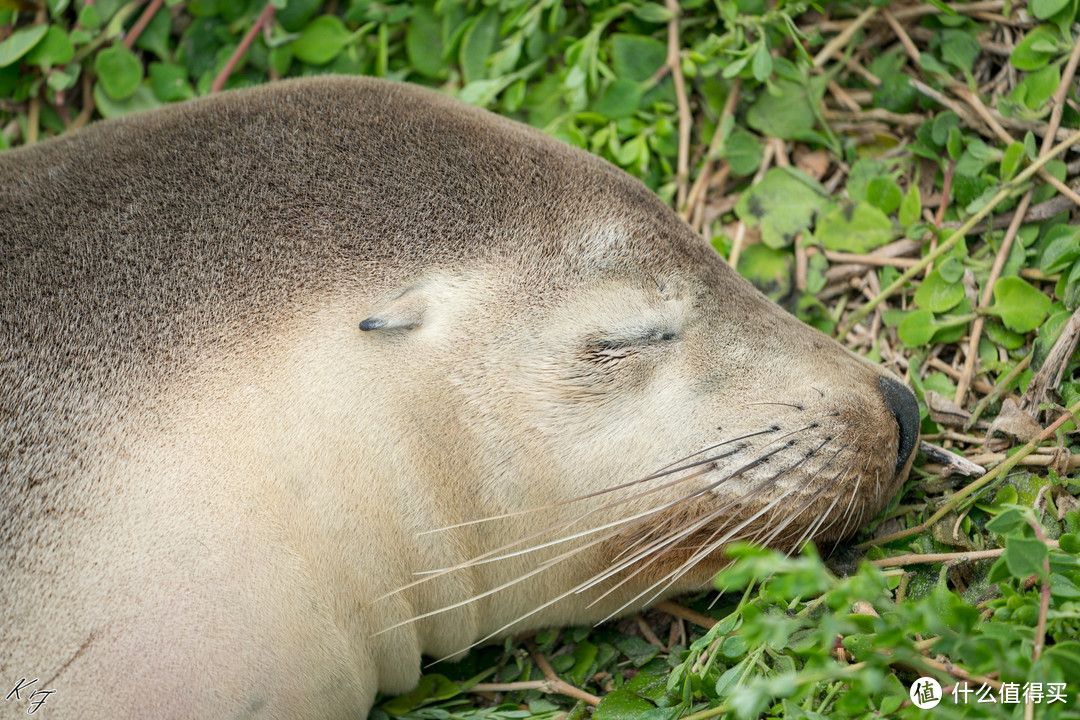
(214, 481)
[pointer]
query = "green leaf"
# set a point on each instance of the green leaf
(424, 43)
(142, 99)
(1000, 335)
(170, 83)
(1020, 306)
(1031, 147)
(584, 662)
(917, 328)
(54, 49)
(155, 36)
(620, 99)
(478, 44)
(431, 687)
(1025, 556)
(1061, 248)
(911, 207)
(857, 228)
(1061, 586)
(783, 204)
(1038, 47)
(621, 705)
(896, 93)
(884, 193)
(786, 115)
(762, 64)
(1070, 543)
(89, 17)
(1041, 85)
(119, 71)
(1049, 332)
(743, 152)
(1010, 163)
(966, 189)
(1065, 655)
(321, 40)
(636, 57)
(631, 151)
(863, 172)
(1044, 9)
(769, 270)
(955, 143)
(638, 651)
(20, 43)
(938, 295)
(959, 48)
(652, 12)
(296, 14)
(942, 126)
(930, 64)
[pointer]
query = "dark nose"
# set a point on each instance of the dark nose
(901, 403)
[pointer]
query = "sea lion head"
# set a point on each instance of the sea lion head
(623, 394)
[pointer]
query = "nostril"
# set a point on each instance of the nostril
(901, 403)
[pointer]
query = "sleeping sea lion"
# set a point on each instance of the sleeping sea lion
(265, 356)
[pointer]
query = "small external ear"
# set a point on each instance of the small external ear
(404, 312)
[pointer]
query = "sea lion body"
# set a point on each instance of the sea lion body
(256, 347)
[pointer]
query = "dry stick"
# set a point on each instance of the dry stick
(964, 492)
(1044, 599)
(697, 192)
(844, 37)
(223, 76)
(740, 233)
(905, 39)
(550, 684)
(647, 633)
(946, 246)
(951, 669)
(1036, 213)
(946, 191)
(845, 99)
(142, 22)
(685, 120)
(877, 260)
(558, 685)
(922, 558)
(964, 383)
(1030, 461)
(919, 11)
(686, 614)
(88, 104)
(32, 120)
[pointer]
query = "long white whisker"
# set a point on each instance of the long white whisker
(668, 469)
(669, 541)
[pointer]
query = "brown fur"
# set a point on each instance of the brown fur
(211, 474)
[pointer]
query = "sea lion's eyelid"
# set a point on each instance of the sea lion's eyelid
(650, 336)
